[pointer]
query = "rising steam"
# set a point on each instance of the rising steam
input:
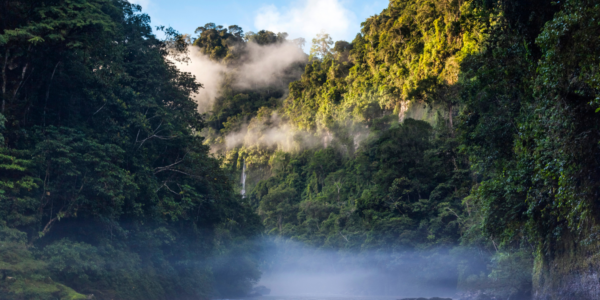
(272, 132)
(207, 72)
(294, 269)
(261, 66)
(266, 65)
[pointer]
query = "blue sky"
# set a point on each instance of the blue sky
(300, 18)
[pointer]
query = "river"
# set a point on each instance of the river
(325, 298)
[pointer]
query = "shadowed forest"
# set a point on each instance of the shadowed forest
(451, 149)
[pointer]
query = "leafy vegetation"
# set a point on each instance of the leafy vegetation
(106, 186)
(507, 163)
(444, 126)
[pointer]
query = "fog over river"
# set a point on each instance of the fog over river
(293, 271)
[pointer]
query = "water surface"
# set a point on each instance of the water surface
(327, 298)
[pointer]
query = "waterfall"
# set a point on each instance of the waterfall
(244, 180)
(326, 139)
(403, 110)
(357, 139)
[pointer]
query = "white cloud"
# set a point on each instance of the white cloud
(307, 18)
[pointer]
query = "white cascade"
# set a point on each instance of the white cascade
(244, 181)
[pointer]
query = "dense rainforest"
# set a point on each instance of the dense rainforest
(106, 189)
(444, 126)
(450, 136)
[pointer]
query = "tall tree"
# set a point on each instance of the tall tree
(321, 46)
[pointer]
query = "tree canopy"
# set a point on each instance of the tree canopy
(106, 186)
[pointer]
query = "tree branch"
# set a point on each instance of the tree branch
(343, 236)
(154, 135)
(100, 108)
(22, 80)
(168, 168)
(165, 185)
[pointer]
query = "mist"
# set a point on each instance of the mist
(209, 73)
(261, 66)
(266, 65)
(273, 132)
(291, 268)
(295, 269)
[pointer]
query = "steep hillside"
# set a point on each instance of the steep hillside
(507, 163)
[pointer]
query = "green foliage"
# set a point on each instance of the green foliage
(386, 197)
(321, 46)
(218, 43)
(510, 277)
(530, 128)
(236, 103)
(514, 171)
(408, 186)
(412, 51)
(566, 99)
(105, 185)
(265, 37)
(23, 276)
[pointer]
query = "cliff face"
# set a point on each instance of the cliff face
(573, 273)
